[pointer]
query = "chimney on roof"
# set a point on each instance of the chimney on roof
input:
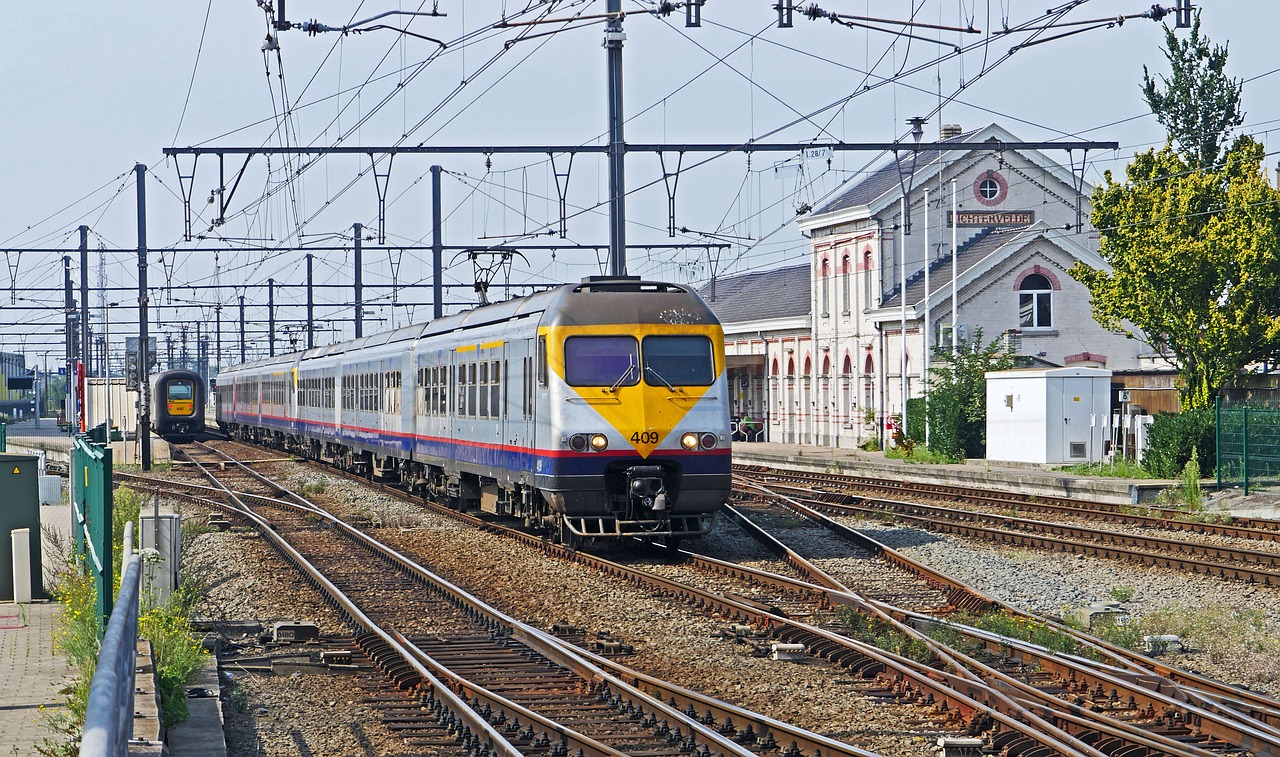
(949, 131)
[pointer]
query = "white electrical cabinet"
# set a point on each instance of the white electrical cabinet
(160, 570)
(1052, 416)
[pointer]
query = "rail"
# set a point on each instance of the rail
(108, 719)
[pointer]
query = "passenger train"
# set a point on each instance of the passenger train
(179, 399)
(592, 410)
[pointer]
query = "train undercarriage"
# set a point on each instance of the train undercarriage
(639, 498)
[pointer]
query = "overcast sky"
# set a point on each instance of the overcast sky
(94, 88)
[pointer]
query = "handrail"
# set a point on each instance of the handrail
(108, 719)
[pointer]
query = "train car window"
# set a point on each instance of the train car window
(601, 361)
(495, 390)
(542, 361)
(181, 390)
(471, 390)
(443, 408)
(683, 360)
(429, 394)
(483, 388)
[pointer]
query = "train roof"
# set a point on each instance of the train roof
(571, 304)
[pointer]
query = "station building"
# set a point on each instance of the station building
(931, 246)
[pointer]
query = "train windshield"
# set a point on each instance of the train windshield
(181, 390)
(673, 361)
(601, 361)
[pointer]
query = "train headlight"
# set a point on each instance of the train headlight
(689, 441)
(578, 442)
(599, 442)
(710, 440)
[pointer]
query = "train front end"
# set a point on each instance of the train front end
(179, 399)
(639, 420)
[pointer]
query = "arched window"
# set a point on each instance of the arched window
(774, 371)
(848, 365)
(846, 271)
(825, 284)
(869, 383)
(791, 367)
(826, 365)
(808, 367)
(867, 267)
(1035, 302)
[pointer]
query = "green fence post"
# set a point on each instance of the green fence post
(1244, 442)
(92, 511)
(4, 437)
(1217, 438)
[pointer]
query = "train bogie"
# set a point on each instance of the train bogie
(595, 410)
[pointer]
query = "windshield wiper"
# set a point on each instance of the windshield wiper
(631, 366)
(659, 377)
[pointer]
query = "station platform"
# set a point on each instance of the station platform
(26, 438)
(33, 674)
(1021, 478)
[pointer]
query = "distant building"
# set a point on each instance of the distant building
(819, 349)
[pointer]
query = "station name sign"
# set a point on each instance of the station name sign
(993, 217)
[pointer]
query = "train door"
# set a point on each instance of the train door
(457, 403)
(523, 407)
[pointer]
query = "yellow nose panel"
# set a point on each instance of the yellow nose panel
(644, 415)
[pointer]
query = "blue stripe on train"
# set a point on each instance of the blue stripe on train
(514, 459)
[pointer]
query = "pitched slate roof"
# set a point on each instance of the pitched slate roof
(977, 249)
(763, 295)
(887, 178)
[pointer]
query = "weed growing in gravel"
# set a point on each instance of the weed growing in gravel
(904, 646)
(312, 488)
(1018, 627)
(1192, 494)
(1122, 593)
(864, 628)
(1240, 638)
(239, 698)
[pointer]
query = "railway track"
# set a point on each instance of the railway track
(1244, 716)
(1142, 516)
(502, 672)
(771, 606)
(1222, 561)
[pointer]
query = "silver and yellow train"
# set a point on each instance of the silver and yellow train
(593, 410)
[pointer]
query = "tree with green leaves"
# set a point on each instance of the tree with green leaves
(1198, 104)
(1191, 235)
(957, 406)
(1195, 263)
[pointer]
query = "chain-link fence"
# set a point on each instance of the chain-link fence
(1248, 444)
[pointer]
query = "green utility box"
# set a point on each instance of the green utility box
(19, 508)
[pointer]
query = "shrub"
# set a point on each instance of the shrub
(177, 654)
(1172, 437)
(1192, 495)
(957, 405)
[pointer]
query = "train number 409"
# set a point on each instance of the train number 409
(644, 437)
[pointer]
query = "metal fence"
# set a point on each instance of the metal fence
(1248, 445)
(108, 718)
(92, 505)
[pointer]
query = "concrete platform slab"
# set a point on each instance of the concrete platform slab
(32, 674)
